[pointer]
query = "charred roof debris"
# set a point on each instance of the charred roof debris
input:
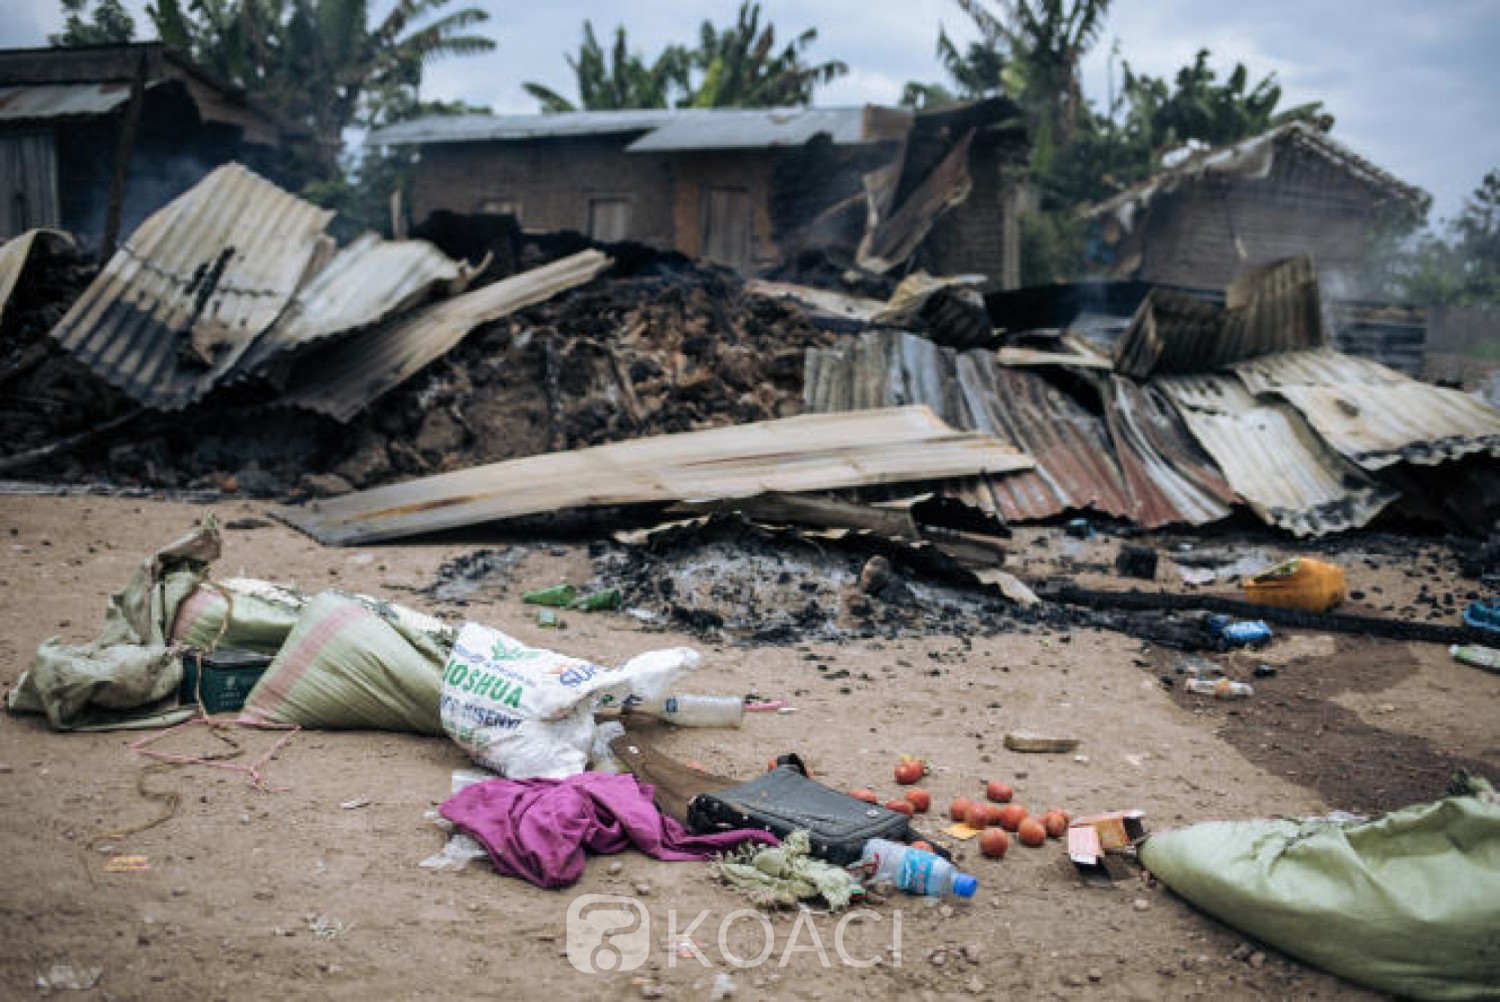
(390, 388)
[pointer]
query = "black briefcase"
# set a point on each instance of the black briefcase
(784, 800)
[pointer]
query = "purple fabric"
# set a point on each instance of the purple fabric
(539, 828)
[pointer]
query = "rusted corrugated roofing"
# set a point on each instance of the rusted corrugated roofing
(365, 282)
(812, 452)
(1270, 309)
(1273, 460)
(193, 287)
(1372, 414)
(1075, 468)
(1169, 476)
(343, 378)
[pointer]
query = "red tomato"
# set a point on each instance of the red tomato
(958, 808)
(909, 770)
(1031, 833)
(1056, 823)
(899, 805)
(919, 799)
(999, 792)
(1011, 816)
(868, 796)
(993, 842)
(978, 815)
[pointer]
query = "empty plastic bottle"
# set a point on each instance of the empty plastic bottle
(691, 711)
(915, 871)
(1221, 688)
(1239, 633)
(1479, 657)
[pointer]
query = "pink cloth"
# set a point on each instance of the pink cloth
(539, 828)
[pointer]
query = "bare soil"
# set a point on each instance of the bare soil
(290, 895)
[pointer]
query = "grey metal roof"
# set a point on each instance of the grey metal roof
(193, 287)
(666, 128)
(43, 101)
(752, 129)
(342, 380)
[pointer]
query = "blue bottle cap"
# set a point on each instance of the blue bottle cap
(964, 885)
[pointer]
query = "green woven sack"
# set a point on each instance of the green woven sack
(1408, 903)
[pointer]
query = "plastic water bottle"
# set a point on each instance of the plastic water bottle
(914, 870)
(1479, 657)
(1239, 633)
(1222, 688)
(692, 711)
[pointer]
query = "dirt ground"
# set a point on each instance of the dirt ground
(290, 895)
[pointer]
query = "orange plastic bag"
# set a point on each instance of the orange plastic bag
(1298, 583)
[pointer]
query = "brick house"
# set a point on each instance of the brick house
(134, 124)
(743, 187)
(1215, 213)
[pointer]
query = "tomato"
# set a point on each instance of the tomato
(999, 792)
(919, 799)
(1031, 833)
(899, 805)
(909, 770)
(868, 796)
(1011, 816)
(993, 842)
(958, 808)
(977, 815)
(1056, 823)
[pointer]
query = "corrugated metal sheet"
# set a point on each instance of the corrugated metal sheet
(1253, 158)
(813, 452)
(14, 254)
(668, 129)
(752, 129)
(894, 238)
(46, 101)
(1075, 468)
(193, 287)
(365, 282)
(1374, 415)
(1272, 459)
(1269, 309)
(345, 377)
(1169, 476)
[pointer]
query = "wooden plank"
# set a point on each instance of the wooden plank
(806, 453)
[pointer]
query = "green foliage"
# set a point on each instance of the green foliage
(976, 73)
(736, 67)
(319, 63)
(110, 24)
(618, 80)
(1052, 247)
(1460, 269)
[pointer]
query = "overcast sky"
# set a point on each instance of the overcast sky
(1414, 84)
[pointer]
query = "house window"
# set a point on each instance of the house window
(726, 226)
(609, 219)
(502, 207)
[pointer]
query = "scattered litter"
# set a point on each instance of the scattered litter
(127, 864)
(1487, 658)
(1195, 666)
(599, 601)
(723, 987)
(1220, 688)
(1483, 617)
(558, 596)
(1022, 742)
(961, 831)
(548, 620)
(765, 706)
(689, 710)
(324, 927)
(1298, 583)
(1231, 632)
(66, 977)
(1079, 528)
(355, 804)
(458, 852)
